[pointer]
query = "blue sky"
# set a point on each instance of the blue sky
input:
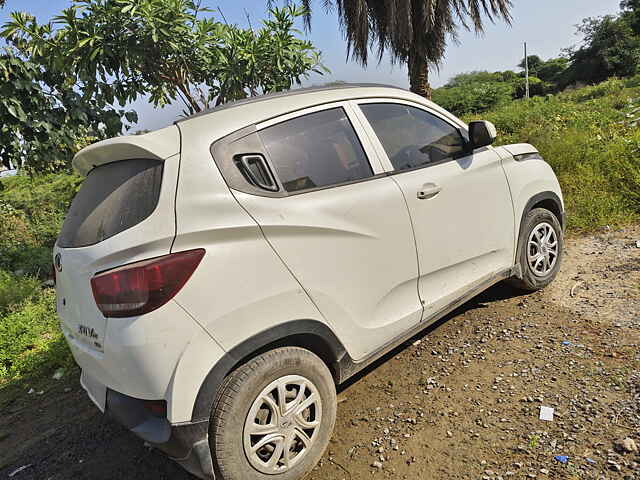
(547, 26)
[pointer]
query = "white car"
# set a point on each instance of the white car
(218, 278)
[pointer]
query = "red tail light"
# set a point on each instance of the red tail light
(144, 286)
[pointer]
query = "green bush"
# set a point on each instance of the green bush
(32, 210)
(14, 290)
(589, 138)
(473, 98)
(31, 343)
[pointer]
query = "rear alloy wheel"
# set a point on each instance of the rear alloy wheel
(273, 417)
(282, 424)
(539, 250)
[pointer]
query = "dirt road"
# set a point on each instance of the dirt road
(460, 401)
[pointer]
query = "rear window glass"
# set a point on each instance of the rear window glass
(316, 150)
(113, 198)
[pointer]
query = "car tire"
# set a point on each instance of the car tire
(252, 428)
(537, 272)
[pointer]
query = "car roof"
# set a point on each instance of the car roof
(289, 93)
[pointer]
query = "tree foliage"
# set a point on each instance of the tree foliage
(610, 48)
(43, 120)
(122, 49)
(413, 32)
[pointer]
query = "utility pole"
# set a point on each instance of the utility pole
(526, 72)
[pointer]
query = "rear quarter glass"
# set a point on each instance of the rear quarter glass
(113, 198)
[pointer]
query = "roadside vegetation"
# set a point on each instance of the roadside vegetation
(590, 136)
(32, 347)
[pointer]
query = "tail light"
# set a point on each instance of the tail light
(144, 286)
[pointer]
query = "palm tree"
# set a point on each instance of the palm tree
(413, 32)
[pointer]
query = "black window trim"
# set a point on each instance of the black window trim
(395, 101)
(226, 164)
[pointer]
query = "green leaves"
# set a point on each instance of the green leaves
(167, 50)
(43, 121)
(61, 79)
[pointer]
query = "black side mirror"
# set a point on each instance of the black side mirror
(481, 134)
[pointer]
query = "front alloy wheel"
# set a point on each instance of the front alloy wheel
(542, 249)
(539, 250)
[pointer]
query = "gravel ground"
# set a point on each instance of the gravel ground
(461, 400)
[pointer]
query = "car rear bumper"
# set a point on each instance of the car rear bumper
(188, 445)
(185, 443)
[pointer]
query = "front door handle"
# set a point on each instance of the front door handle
(429, 190)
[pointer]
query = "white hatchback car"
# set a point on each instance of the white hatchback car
(217, 278)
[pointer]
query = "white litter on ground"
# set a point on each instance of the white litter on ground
(546, 413)
(18, 470)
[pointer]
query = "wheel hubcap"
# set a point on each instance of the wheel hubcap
(282, 424)
(542, 250)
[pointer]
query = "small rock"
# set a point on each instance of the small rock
(629, 445)
(614, 466)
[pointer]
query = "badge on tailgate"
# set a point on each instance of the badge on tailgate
(87, 331)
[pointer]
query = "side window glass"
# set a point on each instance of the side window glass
(412, 137)
(316, 150)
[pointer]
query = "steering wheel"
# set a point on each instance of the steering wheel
(412, 156)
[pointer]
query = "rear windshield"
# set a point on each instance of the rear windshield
(113, 198)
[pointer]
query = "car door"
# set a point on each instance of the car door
(459, 202)
(339, 223)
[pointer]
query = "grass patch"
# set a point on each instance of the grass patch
(31, 343)
(590, 138)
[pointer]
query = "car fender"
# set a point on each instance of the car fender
(311, 334)
(532, 181)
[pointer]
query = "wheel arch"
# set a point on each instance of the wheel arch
(548, 200)
(312, 335)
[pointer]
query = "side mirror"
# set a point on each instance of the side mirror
(481, 134)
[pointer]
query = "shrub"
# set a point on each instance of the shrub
(31, 342)
(588, 137)
(14, 290)
(474, 98)
(32, 210)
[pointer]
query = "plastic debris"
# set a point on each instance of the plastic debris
(58, 374)
(18, 470)
(561, 458)
(546, 414)
(31, 390)
(591, 461)
(566, 343)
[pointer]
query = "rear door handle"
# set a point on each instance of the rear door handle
(429, 190)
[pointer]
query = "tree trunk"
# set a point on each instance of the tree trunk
(419, 76)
